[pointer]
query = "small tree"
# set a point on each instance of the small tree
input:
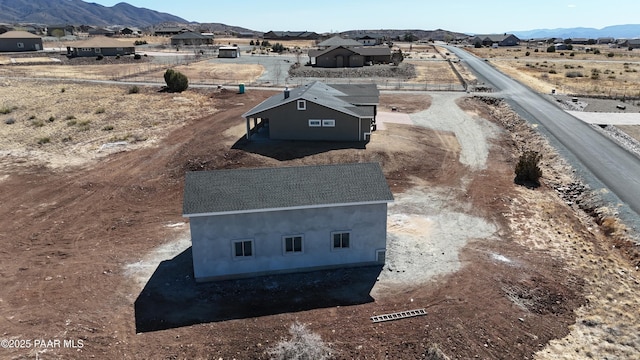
(176, 81)
(527, 170)
(551, 49)
(397, 57)
(303, 345)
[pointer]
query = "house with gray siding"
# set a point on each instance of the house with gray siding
(100, 45)
(318, 112)
(191, 39)
(250, 222)
(497, 39)
(13, 41)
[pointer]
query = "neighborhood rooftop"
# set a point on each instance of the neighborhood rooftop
(338, 97)
(264, 189)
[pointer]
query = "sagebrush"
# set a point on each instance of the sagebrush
(303, 345)
(176, 81)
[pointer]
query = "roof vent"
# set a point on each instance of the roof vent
(286, 92)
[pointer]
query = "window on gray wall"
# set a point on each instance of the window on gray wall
(293, 244)
(243, 248)
(340, 240)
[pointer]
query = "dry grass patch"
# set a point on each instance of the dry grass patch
(208, 72)
(93, 72)
(433, 72)
(85, 117)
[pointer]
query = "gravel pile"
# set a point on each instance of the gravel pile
(402, 71)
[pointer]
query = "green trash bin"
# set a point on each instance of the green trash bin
(241, 89)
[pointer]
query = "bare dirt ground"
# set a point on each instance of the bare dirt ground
(525, 276)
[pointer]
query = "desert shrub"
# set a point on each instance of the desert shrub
(44, 140)
(176, 81)
(32, 117)
(572, 54)
(99, 57)
(52, 118)
(134, 89)
(37, 123)
(596, 52)
(7, 110)
(527, 170)
(574, 74)
(527, 53)
(303, 345)
(10, 121)
(595, 74)
(551, 49)
(66, 139)
(434, 353)
(117, 56)
(140, 42)
(100, 110)
(552, 71)
(107, 128)
(561, 54)
(610, 54)
(70, 117)
(137, 57)
(63, 90)
(536, 50)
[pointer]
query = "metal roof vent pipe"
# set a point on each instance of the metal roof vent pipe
(286, 92)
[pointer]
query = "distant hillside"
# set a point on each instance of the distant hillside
(79, 12)
(439, 34)
(616, 31)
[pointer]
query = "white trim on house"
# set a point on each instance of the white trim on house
(344, 244)
(301, 104)
(328, 123)
(252, 249)
(287, 208)
(293, 250)
(315, 123)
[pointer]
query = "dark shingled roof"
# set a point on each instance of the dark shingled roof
(341, 98)
(263, 189)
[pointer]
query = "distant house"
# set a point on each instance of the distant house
(228, 52)
(291, 35)
(100, 46)
(101, 32)
(169, 31)
(499, 39)
(130, 31)
(605, 40)
(11, 41)
(631, 43)
(370, 39)
(350, 56)
(318, 112)
(338, 41)
(245, 34)
(581, 41)
(191, 39)
(249, 222)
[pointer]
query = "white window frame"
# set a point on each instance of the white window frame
(315, 123)
(243, 257)
(341, 247)
(20, 45)
(98, 50)
(293, 245)
(301, 104)
(328, 123)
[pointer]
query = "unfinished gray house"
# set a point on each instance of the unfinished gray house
(318, 112)
(14, 41)
(250, 222)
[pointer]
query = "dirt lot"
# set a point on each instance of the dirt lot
(526, 275)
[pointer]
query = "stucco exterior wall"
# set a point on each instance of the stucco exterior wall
(213, 238)
(340, 57)
(286, 122)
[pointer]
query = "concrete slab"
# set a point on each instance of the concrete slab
(600, 118)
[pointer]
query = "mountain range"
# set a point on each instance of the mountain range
(78, 12)
(617, 31)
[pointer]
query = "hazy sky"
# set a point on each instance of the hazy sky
(468, 16)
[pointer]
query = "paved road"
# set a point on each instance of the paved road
(603, 162)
